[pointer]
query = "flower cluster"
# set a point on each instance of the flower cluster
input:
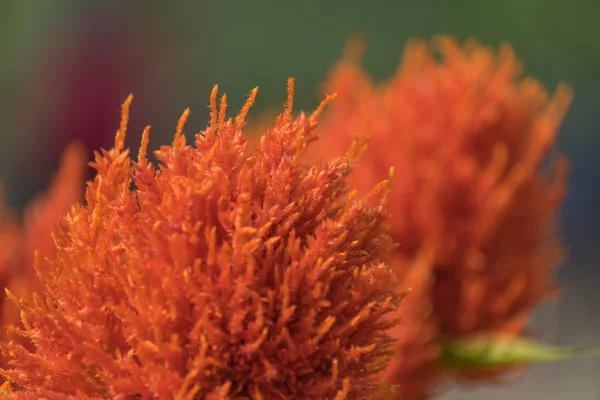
(216, 275)
(473, 206)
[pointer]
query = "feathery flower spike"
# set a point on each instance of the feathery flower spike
(474, 203)
(221, 275)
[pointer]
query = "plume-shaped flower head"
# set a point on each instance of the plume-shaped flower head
(217, 275)
(475, 200)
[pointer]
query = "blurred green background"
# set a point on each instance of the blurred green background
(67, 65)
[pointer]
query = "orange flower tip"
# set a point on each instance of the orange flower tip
(241, 117)
(222, 110)
(355, 48)
(415, 53)
(121, 133)
(142, 154)
(290, 84)
(380, 187)
(352, 149)
(317, 113)
(563, 97)
(355, 152)
(179, 139)
(507, 51)
(74, 152)
(96, 214)
(287, 114)
(442, 41)
(36, 259)
(213, 106)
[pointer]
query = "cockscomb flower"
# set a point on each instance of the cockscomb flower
(474, 204)
(216, 275)
(19, 241)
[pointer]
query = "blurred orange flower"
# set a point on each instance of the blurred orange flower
(474, 201)
(10, 241)
(35, 233)
(218, 275)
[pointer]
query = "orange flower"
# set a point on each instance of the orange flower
(35, 233)
(219, 276)
(10, 241)
(474, 203)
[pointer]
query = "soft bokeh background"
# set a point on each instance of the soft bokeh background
(67, 65)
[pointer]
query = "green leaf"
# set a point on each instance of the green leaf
(493, 352)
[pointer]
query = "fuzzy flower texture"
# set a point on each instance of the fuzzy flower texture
(473, 205)
(217, 275)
